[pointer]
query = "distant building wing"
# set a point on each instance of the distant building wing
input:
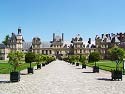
(2, 46)
(27, 45)
(45, 45)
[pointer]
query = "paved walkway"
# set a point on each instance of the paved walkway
(60, 77)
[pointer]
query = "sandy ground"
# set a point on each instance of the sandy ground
(60, 77)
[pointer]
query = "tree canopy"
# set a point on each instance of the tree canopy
(29, 57)
(5, 40)
(38, 58)
(116, 54)
(15, 59)
(71, 58)
(77, 57)
(94, 57)
(82, 59)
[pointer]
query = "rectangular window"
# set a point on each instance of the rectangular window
(81, 46)
(80, 50)
(46, 51)
(42, 51)
(50, 52)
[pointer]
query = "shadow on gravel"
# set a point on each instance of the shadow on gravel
(104, 79)
(87, 72)
(78, 68)
(23, 73)
(5, 82)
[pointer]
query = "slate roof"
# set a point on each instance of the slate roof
(45, 44)
(48, 44)
(2, 46)
(115, 39)
(27, 45)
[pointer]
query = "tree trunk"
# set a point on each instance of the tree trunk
(14, 68)
(95, 63)
(30, 65)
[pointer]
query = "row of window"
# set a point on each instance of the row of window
(57, 46)
(15, 46)
(49, 52)
(102, 46)
(83, 51)
(43, 51)
(78, 46)
(103, 51)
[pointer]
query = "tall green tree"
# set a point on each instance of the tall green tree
(82, 59)
(29, 58)
(117, 55)
(15, 58)
(77, 57)
(38, 58)
(5, 40)
(72, 58)
(94, 57)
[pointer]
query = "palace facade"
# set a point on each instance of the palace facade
(107, 41)
(58, 47)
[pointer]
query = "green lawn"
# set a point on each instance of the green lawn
(3, 61)
(106, 65)
(5, 67)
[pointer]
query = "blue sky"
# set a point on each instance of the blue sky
(42, 18)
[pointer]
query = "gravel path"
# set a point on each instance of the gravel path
(60, 77)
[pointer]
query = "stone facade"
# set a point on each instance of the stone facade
(107, 41)
(15, 42)
(4, 52)
(58, 47)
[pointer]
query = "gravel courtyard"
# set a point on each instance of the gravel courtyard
(60, 77)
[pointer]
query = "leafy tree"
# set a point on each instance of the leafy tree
(29, 58)
(72, 58)
(15, 58)
(44, 58)
(77, 57)
(38, 58)
(94, 57)
(117, 54)
(5, 40)
(49, 58)
(20, 55)
(82, 59)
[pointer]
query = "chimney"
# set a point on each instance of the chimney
(112, 34)
(53, 36)
(102, 35)
(96, 37)
(19, 30)
(62, 36)
(107, 35)
(12, 33)
(89, 41)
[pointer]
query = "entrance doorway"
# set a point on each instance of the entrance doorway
(58, 55)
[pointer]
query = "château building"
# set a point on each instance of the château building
(15, 42)
(4, 52)
(58, 47)
(107, 41)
